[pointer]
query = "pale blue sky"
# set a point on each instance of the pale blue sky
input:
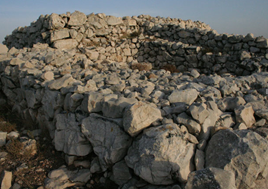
(225, 16)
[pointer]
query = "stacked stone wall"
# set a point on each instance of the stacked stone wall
(160, 41)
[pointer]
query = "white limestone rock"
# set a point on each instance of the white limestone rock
(161, 155)
(187, 96)
(139, 116)
(109, 142)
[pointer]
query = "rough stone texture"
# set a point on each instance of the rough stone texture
(245, 114)
(59, 34)
(139, 116)
(109, 142)
(243, 152)
(199, 112)
(92, 102)
(114, 108)
(55, 22)
(5, 179)
(62, 82)
(65, 44)
(161, 155)
(192, 126)
(68, 137)
(187, 96)
(77, 19)
(121, 173)
(211, 178)
(3, 49)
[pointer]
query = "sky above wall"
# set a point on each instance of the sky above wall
(225, 16)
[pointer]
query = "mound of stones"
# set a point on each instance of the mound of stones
(147, 128)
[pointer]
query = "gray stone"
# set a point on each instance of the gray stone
(3, 137)
(262, 113)
(199, 112)
(245, 114)
(211, 178)
(64, 44)
(121, 173)
(192, 126)
(55, 22)
(188, 96)
(112, 21)
(139, 116)
(92, 102)
(161, 155)
(5, 179)
(199, 159)
(109, 142)
(77, 19)
(230, 103)
(243, 152)
(59, 34)
(62, 82)
(114, 108)
(68, 137)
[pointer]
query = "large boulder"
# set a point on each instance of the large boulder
(139, 116)
(109, 142)
(161, 155)
(243, 152)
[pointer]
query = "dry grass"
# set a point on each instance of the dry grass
(132, 35)
(142, 66)
(14, 148)
(7, 126)
(171, 68)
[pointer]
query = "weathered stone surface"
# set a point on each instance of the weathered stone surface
(245, 114)
(139, 116)
(188, 96)
(161, 155)
(5, 179)
(92, 102)
(112, 20)
(199, 159)
(64, 178)
(109, 142)
(62, 82)
(230, 103)
(114, 108)
(77, 19)
(59, 34)
(68, 137)
(3, 137)
(211, 178)
(3, 49)
(192, 126)
(65, 44)
(243, 152)
(199, 112)
(121, 173)
(55, 22)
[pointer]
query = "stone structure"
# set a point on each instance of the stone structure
(151, 125)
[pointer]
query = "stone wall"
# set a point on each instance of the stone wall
(143, 128)
(160, 41)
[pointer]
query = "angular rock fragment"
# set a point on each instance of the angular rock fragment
(245, 114)
(62, 82)
(109, 142)
(243, 152)
(192, 126)
(187, 96)
(115, 108)
(92, 102)
(161, 155)
(199, 112)
(5, 179)
(139, 116)
(68, 136)
(121, 173)
(77, 19)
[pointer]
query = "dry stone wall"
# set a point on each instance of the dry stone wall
(158, 40)
(146, 129)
